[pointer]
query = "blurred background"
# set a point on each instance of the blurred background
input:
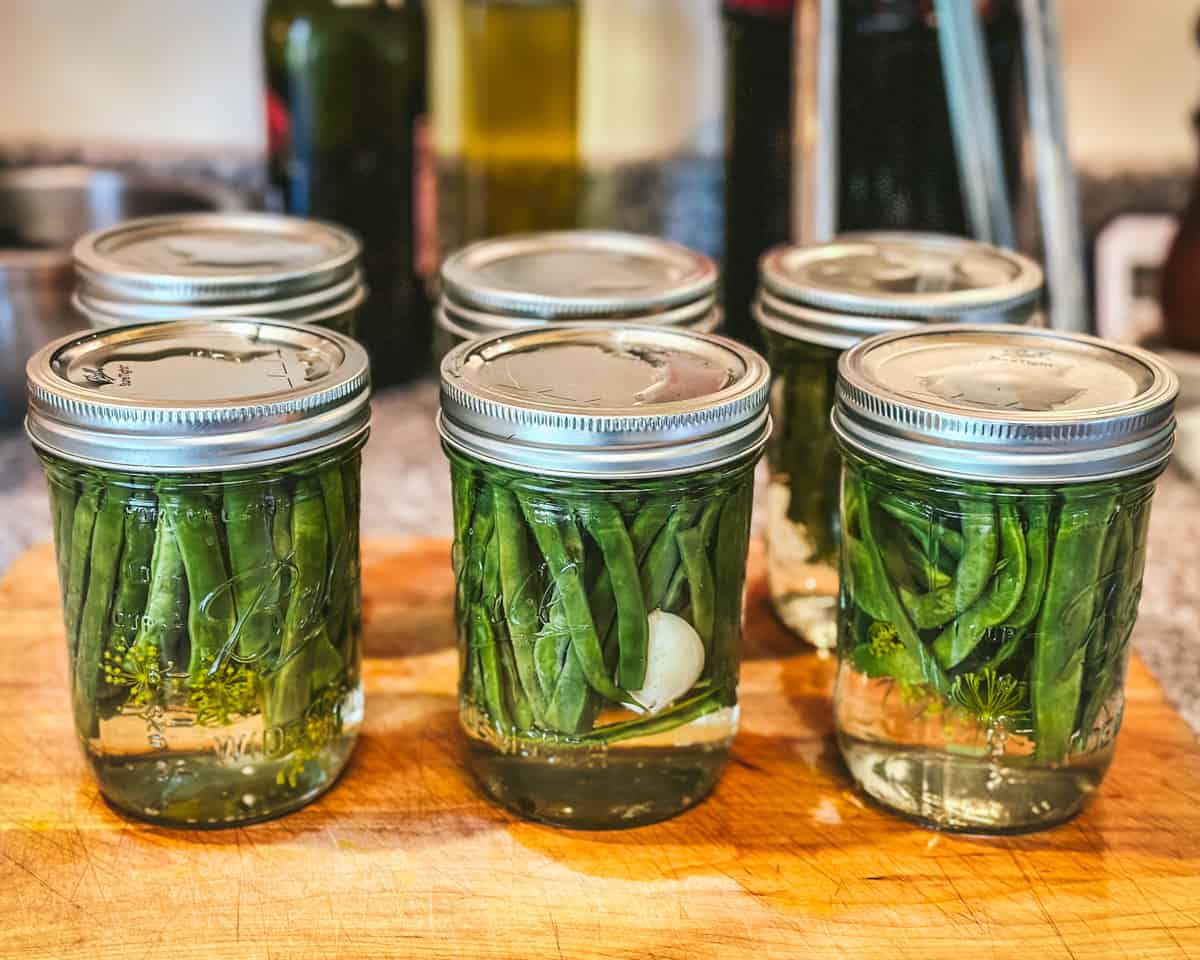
(179, 85)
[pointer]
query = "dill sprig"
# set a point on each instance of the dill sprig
(991, 697)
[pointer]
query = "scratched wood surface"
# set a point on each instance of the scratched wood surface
(404, 858)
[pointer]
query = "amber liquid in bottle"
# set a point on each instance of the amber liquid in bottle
(520, 116)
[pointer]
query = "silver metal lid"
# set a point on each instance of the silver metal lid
(467, 324)
(1008, 404)
(602, 400)
(206, 258)
(195, 396)
(925, 276)
(310, 307)
(582, 274)
(838, 331)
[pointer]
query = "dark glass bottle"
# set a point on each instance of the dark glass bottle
(346, 114)
(1180, 293)
(896, 165)
(758, 149)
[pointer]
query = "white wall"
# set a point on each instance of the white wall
(187, 73)
(1132, 72)
(175, 72)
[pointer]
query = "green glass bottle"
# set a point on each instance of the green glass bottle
(348, 142)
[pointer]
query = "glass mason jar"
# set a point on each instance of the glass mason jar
(533, 280)
(995, 500)
(815, 302)
(218, 267)
(206, 529)
(602, 484)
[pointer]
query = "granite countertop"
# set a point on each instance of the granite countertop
(406, 493)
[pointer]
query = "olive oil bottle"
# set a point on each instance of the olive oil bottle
(348, 142)
(520, 115)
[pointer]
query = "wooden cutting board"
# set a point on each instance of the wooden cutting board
(404, 858)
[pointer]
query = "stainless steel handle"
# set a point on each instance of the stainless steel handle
(1057, 193)
(815, 121)
(973, 124)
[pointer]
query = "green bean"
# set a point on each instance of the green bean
(733, 540)
(483, 645)
(520, 710)
(603, 521)
(895, 562)
(663, 556)
(483, 525)
(519, 589)
(694, 560)
(281, 525)
(160, 634)
(290, 683)
(550, 647)
(461, 493)
(1060, 637)
(707, 525)
(930, 575)
(860, 576)
(922, 660)
(334, 494)
(684, 711)
(352, 484)
(930, 610)
(959, 639)
(211, 614)
(931, 533)
(647, 524)
(570, 695)
(62, 505)
(253, 565)
(82, 525)
(492, 604)
(971, 575)
(1106, 657)
(133, 579)
(555, 536)
(978, 559)
(94, 623)
(1037, 543)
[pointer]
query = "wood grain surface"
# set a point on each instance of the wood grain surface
(405, 859)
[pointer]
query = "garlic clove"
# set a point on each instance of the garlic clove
(674, 662)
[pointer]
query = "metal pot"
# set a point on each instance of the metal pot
(43, 210)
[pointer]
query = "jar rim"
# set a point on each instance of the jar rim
(197, 396)
(809, 275)
(605, 400)
(594, 274)
(217, 258)
(1006, 404)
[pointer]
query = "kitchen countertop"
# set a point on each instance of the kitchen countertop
(406, 493)
(405, 857)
